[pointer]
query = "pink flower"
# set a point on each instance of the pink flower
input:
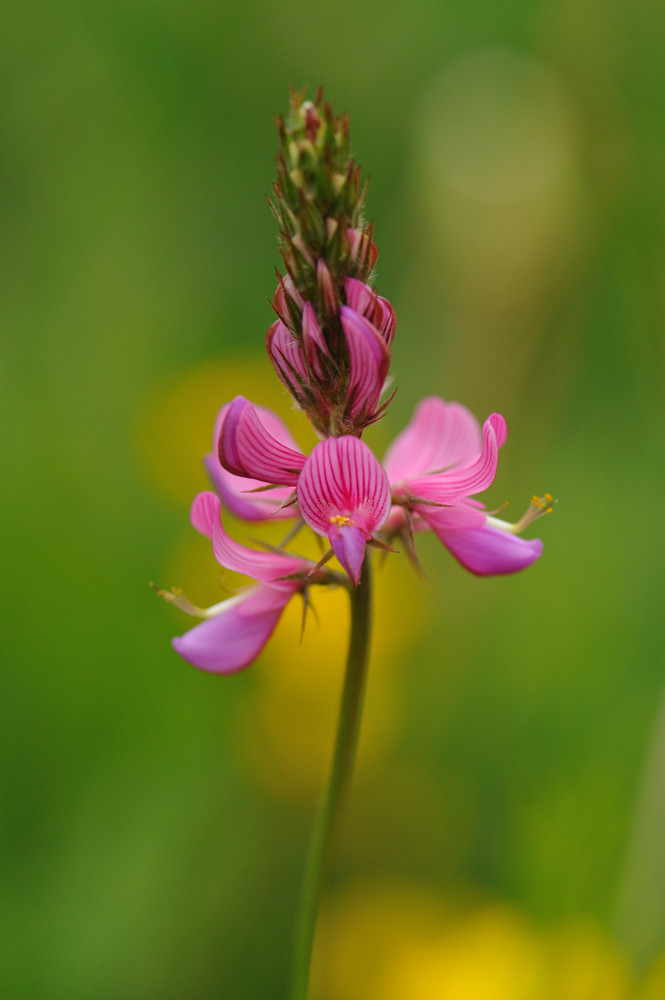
(234, 632)
(435, 466)
(342, 491)
(344, 494)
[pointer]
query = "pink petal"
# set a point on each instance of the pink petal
(235, 491)
(261, 565)
(467, 479)
(342, 477)
(489, 551)
(204, 512)
(388, 321)
(457, 516)
(233, 638)
(360, 297)
(246, 447)
(265, 566)
(373, 307)
(369, 362)
(348, 543)
(439, 435)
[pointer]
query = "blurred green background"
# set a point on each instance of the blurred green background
(506, 837)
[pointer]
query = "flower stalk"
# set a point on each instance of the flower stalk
(330, 345)
(327, 831)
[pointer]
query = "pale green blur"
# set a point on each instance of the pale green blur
(155, 818)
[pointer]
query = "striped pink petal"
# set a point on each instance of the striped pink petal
(236, 491)
(342, 487)
(231, 639)
(369, 359)
(373, 307)
(464, 480)
(439, 436)
(246, 448)
(259, 565)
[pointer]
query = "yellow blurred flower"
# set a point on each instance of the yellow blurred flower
(401, 942)
(175, 424)
(654, 986)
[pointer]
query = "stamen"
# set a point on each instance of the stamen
(341, 520)
(537, 507)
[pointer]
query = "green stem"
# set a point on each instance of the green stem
(329, 821)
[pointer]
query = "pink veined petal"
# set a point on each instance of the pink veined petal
(464, 480)
(438, 436)
(342, 477)
(500, 428)
(263, 566)
(369, 359)
(236, 491)
(489, 551)
(348, 543)
(360, 297)
(246, 447)
(233, 638)
(373, 307)
(204, 512)
(388, 321)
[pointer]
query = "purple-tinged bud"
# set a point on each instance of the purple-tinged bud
(285, 299)
(327, 289)
(362, 251)
(314, 344)
(287, 356)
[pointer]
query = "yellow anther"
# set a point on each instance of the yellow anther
(537, 507)
(341, 520)
(545, 504)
